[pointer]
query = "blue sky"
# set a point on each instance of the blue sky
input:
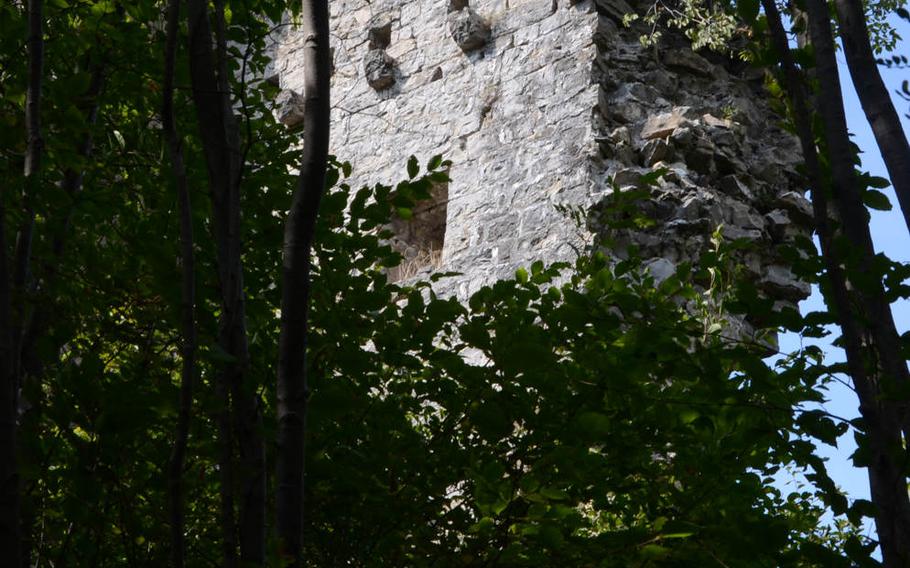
(891, 237)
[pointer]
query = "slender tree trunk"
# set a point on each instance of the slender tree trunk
(870, 337)
(188, 294)
(886, 480)
(246, 405)
(33, 157)
(9, 476)
(21, 285)
(209, 109)
(35, 81)
(849, 204)
(293, 389)
(874, 98)
(221, 147)
(12, 310)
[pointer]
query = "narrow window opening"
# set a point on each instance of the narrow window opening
(420, 239)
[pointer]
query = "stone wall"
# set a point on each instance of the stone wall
(547, 102)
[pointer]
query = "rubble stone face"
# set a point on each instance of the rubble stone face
(379, 69)
(289, 107)
(468, 29)
(560, 105)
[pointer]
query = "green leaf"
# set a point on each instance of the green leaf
(874, 199)
(653, 552)
(483, 526)
(859, 509)
(413, 167)
(652, 177)
(747, 10)
(678, 529)
(876, 182)
(689, 416)
(553, 493)
(491, 420)
(552, 536)
(218, 354)
(594, 423)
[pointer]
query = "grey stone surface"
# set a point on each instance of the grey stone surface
(560, 101)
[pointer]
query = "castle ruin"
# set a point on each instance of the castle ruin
(547, 103)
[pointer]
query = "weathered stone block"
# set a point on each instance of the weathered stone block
(615, 9)
(379, 69)
(469, 30)
(732, 186)
(795, 204)
(289, 108)
(663, 125)
(655, 151)
(688, 60)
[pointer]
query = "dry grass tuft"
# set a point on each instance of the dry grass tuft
(410, 267)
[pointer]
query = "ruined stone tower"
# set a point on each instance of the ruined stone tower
(541, 103)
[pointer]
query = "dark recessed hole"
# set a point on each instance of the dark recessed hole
(380, 36)
(456, 5)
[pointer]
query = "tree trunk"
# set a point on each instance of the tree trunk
(293, 389)
(9, 475)
(246, 404)
(874, 98)
(221, 147)
(188, 295)
(209, 109)
(849, 203)
(885, 419)
(12, 310)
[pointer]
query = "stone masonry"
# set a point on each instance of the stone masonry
(541, 103)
